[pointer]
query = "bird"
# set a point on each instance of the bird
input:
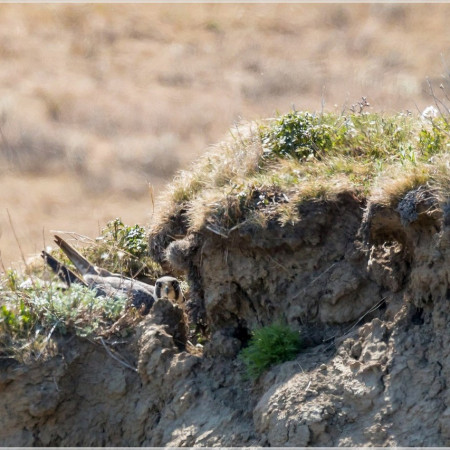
(64, 273)
(106, 283)
(169, 287)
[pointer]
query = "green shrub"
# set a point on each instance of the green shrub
(131, 239)
(122, 249)
(297, 134)
(268, 346)
(77, 309)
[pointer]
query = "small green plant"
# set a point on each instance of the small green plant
(11, 279)
(123, 249)
(268, 346)
(17, 326)
(432, 140)
(296, 134)
(16, 320)
(77, 309)
(131, 239)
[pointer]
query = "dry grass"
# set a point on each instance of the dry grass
(398, 180)
(266, 172)
(99, 100)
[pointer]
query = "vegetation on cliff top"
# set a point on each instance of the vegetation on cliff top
(267, 169)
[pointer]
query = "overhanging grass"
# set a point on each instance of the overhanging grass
(265, 170)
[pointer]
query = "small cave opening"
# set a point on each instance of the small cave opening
(242, 333)
(417, 317)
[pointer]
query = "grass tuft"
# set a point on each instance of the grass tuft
(269, 346)
(120, 249)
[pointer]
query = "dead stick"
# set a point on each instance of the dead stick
(117, 358)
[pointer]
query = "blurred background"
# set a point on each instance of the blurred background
(98, 101)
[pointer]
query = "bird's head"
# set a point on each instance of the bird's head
(168, 287)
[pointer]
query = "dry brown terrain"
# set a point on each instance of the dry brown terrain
(98, 101)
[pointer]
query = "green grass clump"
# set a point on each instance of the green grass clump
(268, 346)
(434, 138)
(121, 249)
(17, 320)
(299, 135)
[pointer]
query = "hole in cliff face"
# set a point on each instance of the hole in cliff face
(242, 333)
(417, 316)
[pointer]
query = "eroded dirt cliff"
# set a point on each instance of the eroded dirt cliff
(367, 287)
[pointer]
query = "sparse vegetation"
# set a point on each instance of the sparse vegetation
(269, 346)
(31, 315)
(123, 249)
(34, 305)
